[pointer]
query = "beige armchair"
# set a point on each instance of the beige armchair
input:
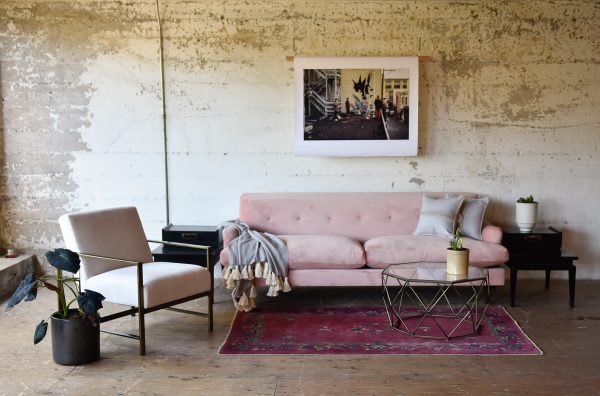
(117, 262)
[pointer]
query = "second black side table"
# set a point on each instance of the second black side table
(538, 250)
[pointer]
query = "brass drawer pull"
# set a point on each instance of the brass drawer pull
(533, 237)
(189, 235)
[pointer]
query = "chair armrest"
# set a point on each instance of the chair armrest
(229, 234)
(108, 258)
(186, 245)
(209, 265)
(491, 233)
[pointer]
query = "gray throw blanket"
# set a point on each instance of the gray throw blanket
(253, 255)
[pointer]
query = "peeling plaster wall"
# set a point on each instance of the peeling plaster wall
(509, 107)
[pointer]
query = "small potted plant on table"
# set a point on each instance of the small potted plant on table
(526, 213)
(457, 259)
(75, 332)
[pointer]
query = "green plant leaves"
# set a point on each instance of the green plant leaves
(40, 331)
(27, 289)
(456, 243)
(64, 259)
(90, 302)
(529, 199)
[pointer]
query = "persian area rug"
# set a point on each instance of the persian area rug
(362, 331)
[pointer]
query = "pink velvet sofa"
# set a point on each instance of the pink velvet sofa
(347, 239)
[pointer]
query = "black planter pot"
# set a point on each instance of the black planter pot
(74, 341)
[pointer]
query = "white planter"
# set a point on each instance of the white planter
(526, 215)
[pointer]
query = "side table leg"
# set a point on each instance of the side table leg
(572, 271)
(547, 279)
(513, 285)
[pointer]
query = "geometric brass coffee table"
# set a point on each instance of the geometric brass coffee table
(454, 311)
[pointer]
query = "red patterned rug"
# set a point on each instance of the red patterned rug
(362, 330)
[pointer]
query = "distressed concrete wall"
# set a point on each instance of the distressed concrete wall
(80, 115)
(509, 107)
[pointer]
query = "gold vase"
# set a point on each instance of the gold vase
(457, 262)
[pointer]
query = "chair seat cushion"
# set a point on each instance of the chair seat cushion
(400, 249)
(163, 282)
(323, 252)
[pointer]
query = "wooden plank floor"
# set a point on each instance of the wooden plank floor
(182, 355)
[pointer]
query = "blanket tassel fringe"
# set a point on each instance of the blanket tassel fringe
(247, 302)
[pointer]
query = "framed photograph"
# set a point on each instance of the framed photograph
(357, 106)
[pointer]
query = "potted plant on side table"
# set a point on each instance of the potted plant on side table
(457, 258)
(526, 213)
(75, 331)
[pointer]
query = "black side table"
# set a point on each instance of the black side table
(185, 255)
(538, 250)
(191, 234)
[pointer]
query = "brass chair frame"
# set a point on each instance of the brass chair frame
(141, 311)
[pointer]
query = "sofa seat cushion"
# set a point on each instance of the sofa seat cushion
(318, 252)
(398, 249)
(323, 252)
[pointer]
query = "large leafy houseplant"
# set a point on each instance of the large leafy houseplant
(89, 301)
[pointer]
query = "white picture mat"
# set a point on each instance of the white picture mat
(357, 148)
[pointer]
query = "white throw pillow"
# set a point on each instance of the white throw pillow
(438, 215)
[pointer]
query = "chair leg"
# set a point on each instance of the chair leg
(210, 311)
(211, 294)
(141, 308)
(142, 331)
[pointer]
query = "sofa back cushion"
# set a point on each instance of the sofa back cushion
(361, 215)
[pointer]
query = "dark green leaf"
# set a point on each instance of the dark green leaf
(32, 295)
(23, 291)
(40, 332)
(64, 259)
(90, 302)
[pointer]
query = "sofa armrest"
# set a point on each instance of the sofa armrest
(491, 233)
(229, 234)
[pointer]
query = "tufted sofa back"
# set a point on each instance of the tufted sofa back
(361, 215)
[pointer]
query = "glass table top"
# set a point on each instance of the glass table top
(425, 272)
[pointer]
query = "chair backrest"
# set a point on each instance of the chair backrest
(114, 232)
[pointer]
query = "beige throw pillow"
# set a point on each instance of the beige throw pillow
(471, 216)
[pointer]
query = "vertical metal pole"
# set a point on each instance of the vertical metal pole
(164, 109)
